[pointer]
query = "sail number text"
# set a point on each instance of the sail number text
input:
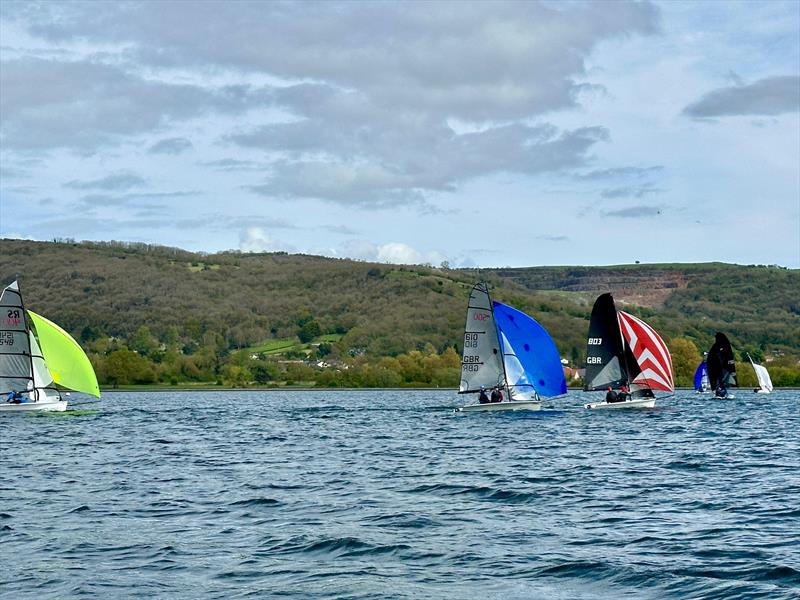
(470, 340)
(594, 360)
(595, 341)
(471, 364)
(6, 338)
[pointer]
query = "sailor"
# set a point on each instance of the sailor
(497, 395)
(611, 396)
(624, 394)
(721, 392)
(483, 398)
(14, 397)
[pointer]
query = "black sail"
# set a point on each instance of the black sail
(721, 364)
(605, 353)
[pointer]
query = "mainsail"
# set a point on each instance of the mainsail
(482, 361)
(650, 352)
(66, 361)
(605, 353)
(764, 380)
(16, 367)
(701, 382)
(532, 361)
(721, 365)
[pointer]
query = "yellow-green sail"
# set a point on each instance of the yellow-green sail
(65, 359)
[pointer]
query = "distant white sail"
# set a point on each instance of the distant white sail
(482, 360)
(764, 380)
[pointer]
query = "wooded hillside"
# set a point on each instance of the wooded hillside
(168, 305)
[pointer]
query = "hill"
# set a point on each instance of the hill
(168, 305)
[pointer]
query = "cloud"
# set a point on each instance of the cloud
(620, 172)
(232, 164)
(765, 97)
(553, 238)
(341, 229)
(255, 239)
(392, 252)
(387, 161)
(175, 145)
(630, 191)
(634, 212)
(83, 104)
(115, 182)
(473, 60)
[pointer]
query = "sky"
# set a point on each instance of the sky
(479, 133)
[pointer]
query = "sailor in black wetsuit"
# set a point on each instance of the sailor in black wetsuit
(497, 395)
(483, 398)
(611, 396)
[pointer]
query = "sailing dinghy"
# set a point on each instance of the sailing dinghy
(764, 380)
(37, 359)
(721, 366)
(505, 348)
(622, 350)
(702, 384)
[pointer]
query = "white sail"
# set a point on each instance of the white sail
(41, 375)
(519, 386)
(764, 380)
(15, 349)
(481, 363)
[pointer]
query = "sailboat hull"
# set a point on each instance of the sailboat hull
(637, 403)
(500, 406)
(41, 406)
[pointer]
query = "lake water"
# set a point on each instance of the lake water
(388, 494)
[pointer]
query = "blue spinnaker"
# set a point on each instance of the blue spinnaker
(701, 377)
(534, 349)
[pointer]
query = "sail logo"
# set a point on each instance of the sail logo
(480, 316)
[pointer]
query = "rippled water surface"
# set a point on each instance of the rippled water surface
(393, 495)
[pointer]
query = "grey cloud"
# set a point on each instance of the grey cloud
(620, 172)
(116, 181)
(84, 105)
(232, 164)
(341, 229)
(474, 60)
(175, 145)
(375, 156)
(765, 97)
(634, 212)
(631, 191)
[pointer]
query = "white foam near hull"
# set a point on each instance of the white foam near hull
(637, 403)
(41, 406)
(762, 392)
(495, 406)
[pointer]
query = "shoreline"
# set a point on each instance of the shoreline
(212, 388)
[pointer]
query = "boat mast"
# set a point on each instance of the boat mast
(30, 350)
(500, 344)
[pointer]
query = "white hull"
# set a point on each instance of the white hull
(495, 406)
(638, 403)
(41, 406)
(762, 391)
